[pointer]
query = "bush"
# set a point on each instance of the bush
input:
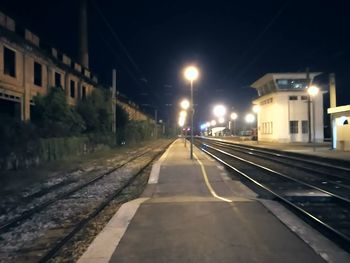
(54, 117)
(96, 111)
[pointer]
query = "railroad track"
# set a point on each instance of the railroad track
(74, 222)
(326, 210)
(330, 177)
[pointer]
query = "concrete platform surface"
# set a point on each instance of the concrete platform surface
(195, 213)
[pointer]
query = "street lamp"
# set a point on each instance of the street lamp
(234, 117)
(191, 73)
(221, 120)
(249, 118)
(185, 104)
(219, 111)
(313, 91)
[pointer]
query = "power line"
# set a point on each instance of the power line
(117, 39)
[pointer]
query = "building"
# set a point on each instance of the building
(29, 67)
(283, 108)
(340, 117)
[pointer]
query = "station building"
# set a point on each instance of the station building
(283, 108)
(340, 117)
(29, 67)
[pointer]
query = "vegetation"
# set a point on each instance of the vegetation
(57, 130)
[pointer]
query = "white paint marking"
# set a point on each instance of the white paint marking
(154, 176)
(104, 245)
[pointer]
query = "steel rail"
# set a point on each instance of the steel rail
(285, 162)
(4, 227)
(281, 174)
(281, 154)
(313, 218)
(56, 248)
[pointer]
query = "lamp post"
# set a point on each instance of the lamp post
(256, 110)
(313, 91)
(250, 118)
(234, 117)
(184, 104)
(191, 74)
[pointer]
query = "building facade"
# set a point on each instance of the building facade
(283, 108)
(28, 67)
(340, 117)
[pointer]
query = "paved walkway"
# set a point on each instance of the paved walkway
(194, 213)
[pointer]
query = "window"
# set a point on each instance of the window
(72, 88)
(291, 83)
(293, 127)
(83, 93)
(271, 127)
(304, 97)
(9, 62)
(37, 74)
(293, 97)
(304, 127)
(58, 78)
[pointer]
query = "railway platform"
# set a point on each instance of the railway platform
(193, 211)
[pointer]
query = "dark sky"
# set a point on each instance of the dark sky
(232, 42)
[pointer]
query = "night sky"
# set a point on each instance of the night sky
(233, 43)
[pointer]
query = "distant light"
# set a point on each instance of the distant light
(183, 114)
(234, 116)
(221, 120)
(256, 108)
(219, 111)
(185, 104)
(207, 124)
(203, 126)
(249, 118)
(313, 91)
(181, 122)
(191, 73)
(213, 122)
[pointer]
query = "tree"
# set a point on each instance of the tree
(54, 116)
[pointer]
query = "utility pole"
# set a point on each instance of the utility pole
(156, 123)
(114, 101)
(308, 82)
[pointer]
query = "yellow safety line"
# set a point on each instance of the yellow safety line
(210, 188)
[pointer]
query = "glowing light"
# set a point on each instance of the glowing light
(219, 111)
(181, 122)
(185, 104)
(249, 118)
(207, 124)
(213, 122)
(191, 73)
(183, 114)
(221, 120)
(234, 116)
(256, 108)
(313, 91)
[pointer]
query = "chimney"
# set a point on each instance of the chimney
(83, 35)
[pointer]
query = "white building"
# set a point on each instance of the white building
(340, 127)
(283, 108)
